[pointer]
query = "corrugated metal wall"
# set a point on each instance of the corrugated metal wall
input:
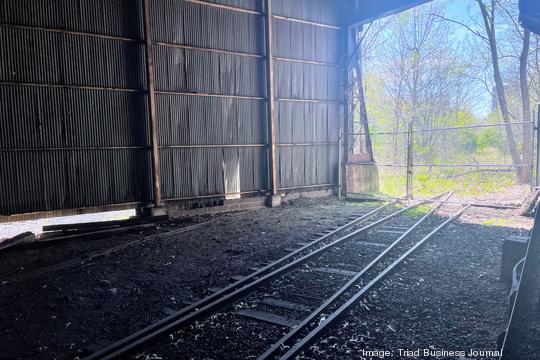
(210, 98)
(309, 77)
(73, 107)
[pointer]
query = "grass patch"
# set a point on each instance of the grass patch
(500, 222)
(418, 211)
(464, 182)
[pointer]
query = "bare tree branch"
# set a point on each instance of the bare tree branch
(463, 25)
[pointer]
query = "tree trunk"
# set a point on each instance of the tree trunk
(364, 121)
(489, 24)
(397, 121)
(528, 129)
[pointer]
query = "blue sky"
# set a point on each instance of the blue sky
(462, 11)
(459, 9)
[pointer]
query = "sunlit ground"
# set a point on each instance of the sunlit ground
(8, 230)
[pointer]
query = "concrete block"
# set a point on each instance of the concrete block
(363, 178)
(273, 201)
(152, 211)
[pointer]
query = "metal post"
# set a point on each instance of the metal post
(409, 162)
(270, 99)
(156, 176)
(340, 166)
(537, 177)
(344, 123)
(532, 181)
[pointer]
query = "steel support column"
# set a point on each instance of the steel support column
(156, 176)
(270, 99)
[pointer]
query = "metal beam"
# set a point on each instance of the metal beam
(156, 176)
(270, 99)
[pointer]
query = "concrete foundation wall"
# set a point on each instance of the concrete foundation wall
(362, 178)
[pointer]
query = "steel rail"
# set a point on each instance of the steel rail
(238, 284)
(343, 310)
(490, 206)
(285, 340)
(368, 197)
(234, 292)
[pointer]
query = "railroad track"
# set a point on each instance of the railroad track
(317, 257)
(314, 326)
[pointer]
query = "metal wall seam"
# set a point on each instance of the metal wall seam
(281, 15)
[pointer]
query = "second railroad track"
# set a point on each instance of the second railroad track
(333, 269)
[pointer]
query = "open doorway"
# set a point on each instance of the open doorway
(441, 98)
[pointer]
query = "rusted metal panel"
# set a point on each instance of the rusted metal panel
(47, 118)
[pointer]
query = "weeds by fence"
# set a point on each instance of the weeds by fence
(482, 163)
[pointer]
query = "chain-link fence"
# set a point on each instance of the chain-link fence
(487, 164)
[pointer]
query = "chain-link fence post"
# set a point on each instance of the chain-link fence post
(537, 155)
(340, 163)
(409, 161)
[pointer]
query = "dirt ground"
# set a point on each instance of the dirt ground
(448, 297)
(58, 314)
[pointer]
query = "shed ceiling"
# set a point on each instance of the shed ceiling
(529, 14)
(368, 10)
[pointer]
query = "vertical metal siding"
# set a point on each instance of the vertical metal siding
(106, 17)
(73, 110)
(211, 109)
(321, 11)
(72, 105)
(309, 91)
